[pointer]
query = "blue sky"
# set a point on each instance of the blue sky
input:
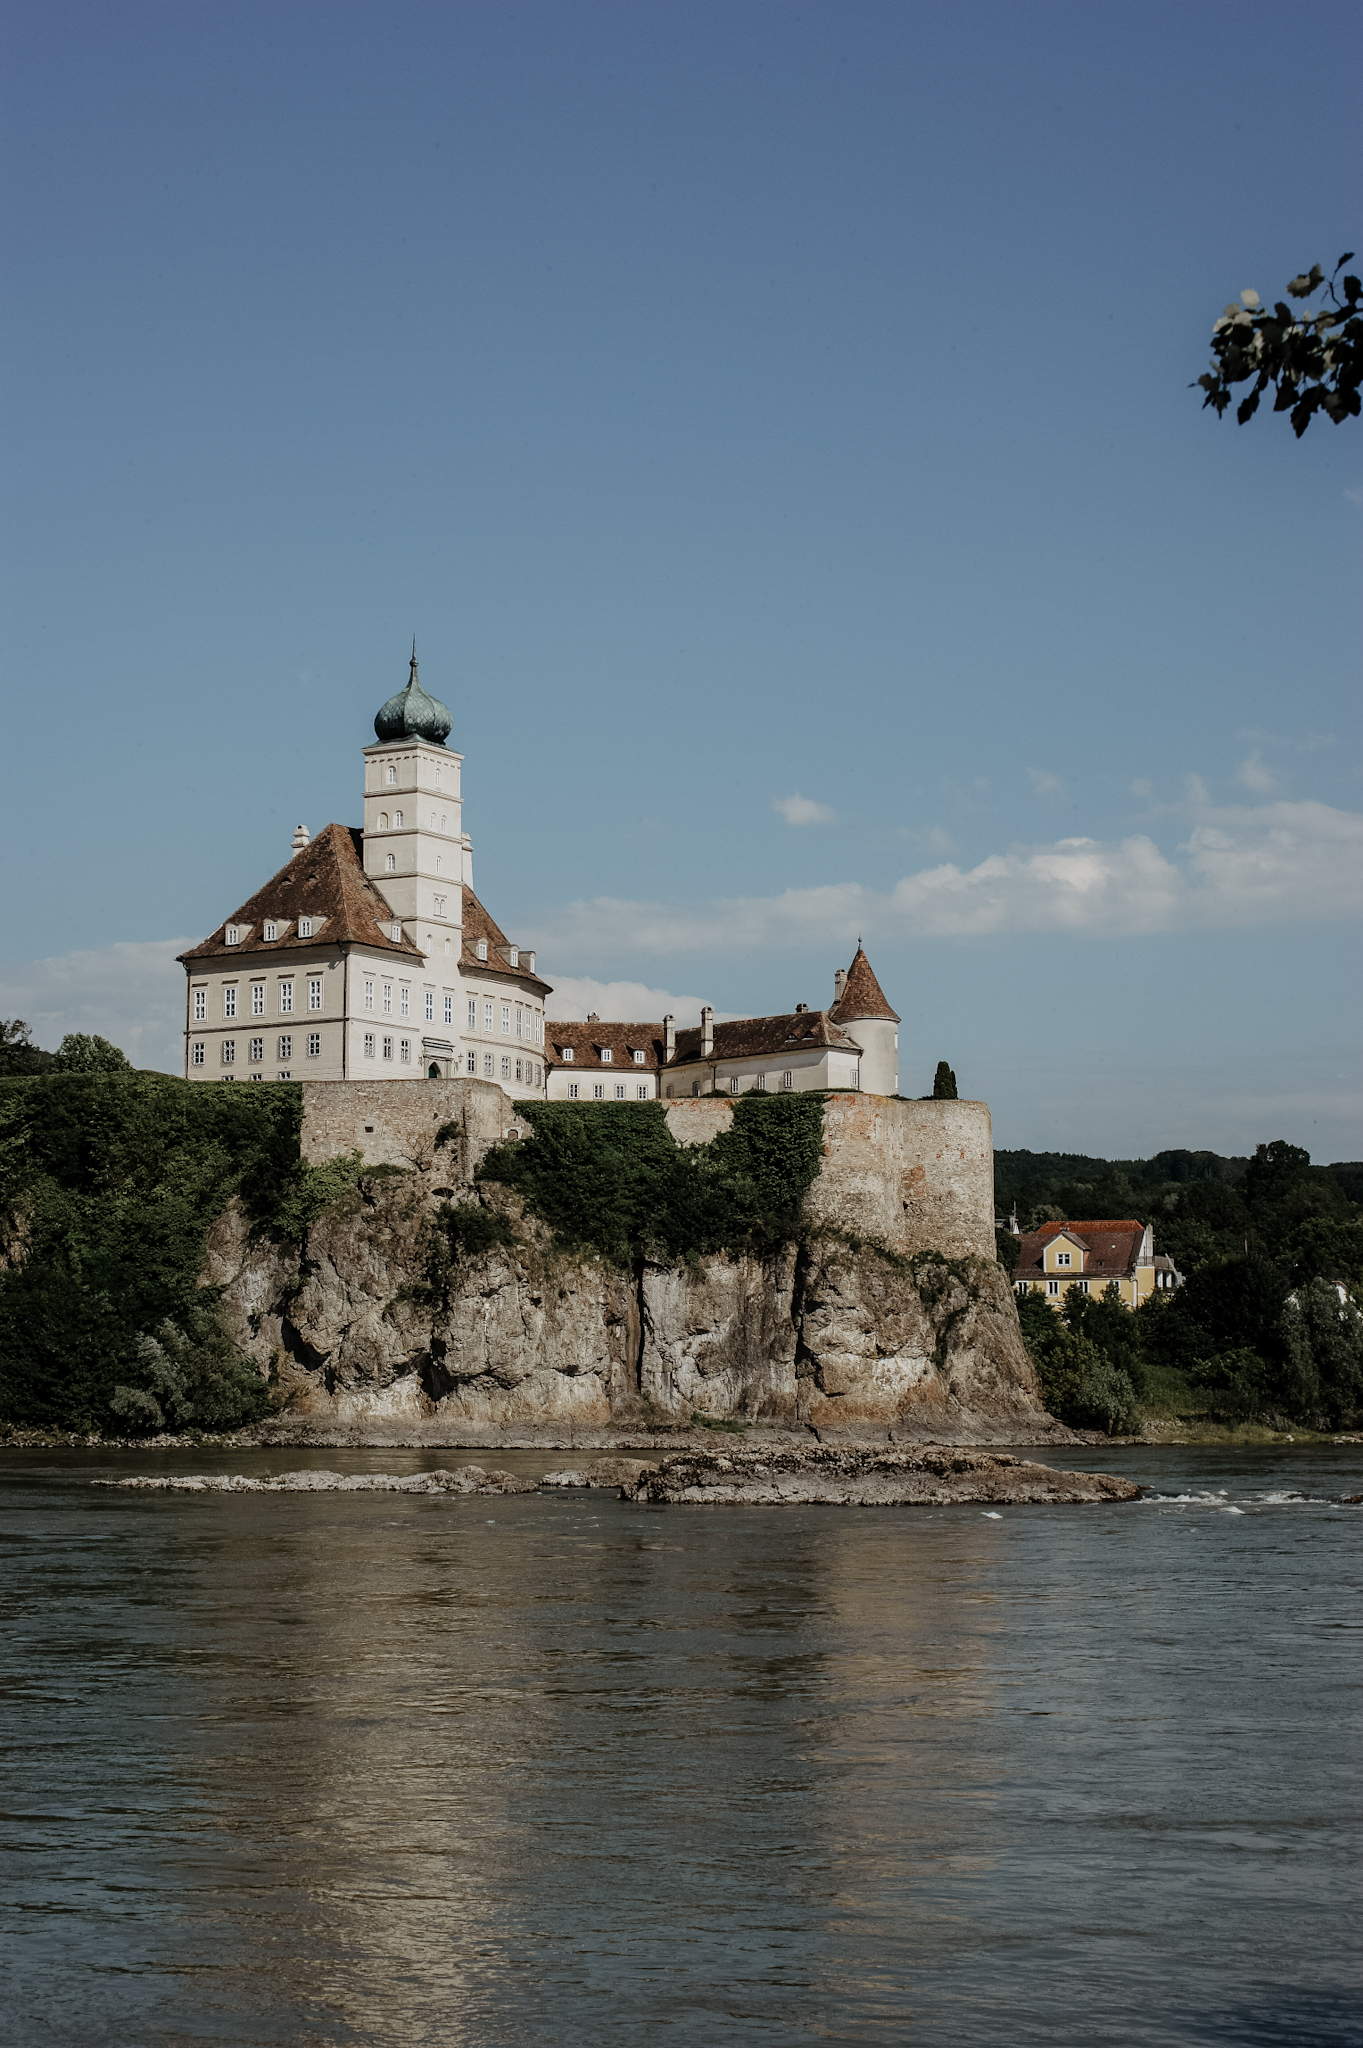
(743, 404)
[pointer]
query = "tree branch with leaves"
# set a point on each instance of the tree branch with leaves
(1313, 357)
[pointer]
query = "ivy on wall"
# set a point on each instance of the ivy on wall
(608, 1177)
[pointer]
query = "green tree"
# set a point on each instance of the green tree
(18, 1053)
(80, 1053)
(943, 1083)
(1312, 358)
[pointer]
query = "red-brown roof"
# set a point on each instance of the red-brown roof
(479, 924)
(745, 1038)
(325, 881)
(587, 1043)
(862, 995)
(1110, 1249)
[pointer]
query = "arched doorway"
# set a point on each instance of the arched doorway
(433, 1072)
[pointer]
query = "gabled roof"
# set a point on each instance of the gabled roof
(588, 1041)
(324, 880)
(745, 1038)
(862, 995)
(479, 924)
(1110, 1249)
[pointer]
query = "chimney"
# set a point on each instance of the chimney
(529, 959)
(707, 1032)
(301, 836)
(839, 984)
(593, 1019)
(669, 1038)
(801, 1008)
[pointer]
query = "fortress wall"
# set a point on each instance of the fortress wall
(917, 1175)
(393, 1123)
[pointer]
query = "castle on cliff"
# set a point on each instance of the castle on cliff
(369, 957)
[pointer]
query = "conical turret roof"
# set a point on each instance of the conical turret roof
(862, 995)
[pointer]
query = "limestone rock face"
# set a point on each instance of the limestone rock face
(375, 1322)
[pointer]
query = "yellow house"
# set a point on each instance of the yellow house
(1091, 1256)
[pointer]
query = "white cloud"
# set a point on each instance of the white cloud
(802, 810)
(1255, 775)
(132, 993)
(1044, 783)
(1265, 864)
(577, 997)
(932, 838)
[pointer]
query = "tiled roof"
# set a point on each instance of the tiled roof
(862, 995)
(478, 924)
(744, 1038)
(325, 881)
(587, 1042)
(1110, 1249)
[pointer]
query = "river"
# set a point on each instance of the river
(338, 1768)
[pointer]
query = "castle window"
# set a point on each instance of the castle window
(315, 992)
(395, 933)
(449, 1009)
(388, 1048)
(569, 1053)
(388, 999)
(506, 1069)
(643, 1091)
(1062, 1258)
(404, 1000)
(482, 949)
(506, 1020)
(695, 1087)
(607, 1054)
(196, 1057)
(397, 821)
(447, 949)
(1083, 1287)
(230, 935)
(472, 1063)
(1052, 1287)
(257, 999)
(286, 1045)
(598, 1091)
(390, 863)
(200, 1005)
(437, 869)
(439, 902)
(383, 821)
(271, 931)
(788, 1079)
(735, 1084)
(229, 1002)
(442, 814)
(573, 1091)
(619, 1091)
(437, 784)
(257, 1049)
(284, 1074)
(305, 927)
(432, 821)
(519, 1075)
(473, 1013)
(314, 1045)
(487, 1016)
(760, 1084)
(405, 1049)
(369, 995)
(430, 1006)
(285, 998)
(392, 777)
(369, 1045)
(638, 1056)
(229, 1051)
(520, 1022)
(487, 1066)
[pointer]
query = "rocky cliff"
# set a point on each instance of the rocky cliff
(388, 1318)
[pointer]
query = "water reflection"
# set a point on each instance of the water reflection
(375, 1768)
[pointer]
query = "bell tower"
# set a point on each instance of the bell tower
(415, 848)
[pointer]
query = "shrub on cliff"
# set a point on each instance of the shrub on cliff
(608, 1178)
(190, 1372)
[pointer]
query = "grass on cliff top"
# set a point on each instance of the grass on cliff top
(608, 1177)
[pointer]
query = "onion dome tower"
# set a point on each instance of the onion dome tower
(413, 714)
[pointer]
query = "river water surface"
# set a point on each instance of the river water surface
(339, 1768)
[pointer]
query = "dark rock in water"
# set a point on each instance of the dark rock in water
(867, 1476)
(619, 1474)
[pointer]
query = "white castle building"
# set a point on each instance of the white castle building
(369, 957)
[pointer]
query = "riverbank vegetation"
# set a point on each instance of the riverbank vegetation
(1266, 1328)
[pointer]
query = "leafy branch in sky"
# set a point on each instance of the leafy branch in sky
(1313, 358)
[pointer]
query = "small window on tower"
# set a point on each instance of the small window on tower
(392, 777)
(397, 821)
(383, 821)
(390, 863)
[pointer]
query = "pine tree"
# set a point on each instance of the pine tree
(943, 1083)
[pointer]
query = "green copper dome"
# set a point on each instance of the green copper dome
(413, 715)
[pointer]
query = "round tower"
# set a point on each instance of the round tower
(860, 1007)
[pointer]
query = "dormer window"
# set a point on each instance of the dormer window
(396, 931)
(607, 1055)
(271, 931)
(482, 949)
(568, 1053)
(638, 1056)
(230, 935)
(305, 927)
(1062, 1258)
(515, 953)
